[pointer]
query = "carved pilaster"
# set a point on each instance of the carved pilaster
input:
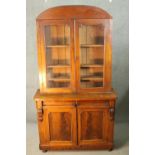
(112, 113)
(39, 106)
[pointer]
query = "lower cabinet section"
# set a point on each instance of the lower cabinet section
(76, 126)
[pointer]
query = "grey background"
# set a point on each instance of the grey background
(119, 10)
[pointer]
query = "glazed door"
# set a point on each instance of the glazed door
(60, 126)
(55, 41)
(93, 54)
(93, 125)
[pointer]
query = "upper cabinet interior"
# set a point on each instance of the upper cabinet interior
(74, 49)
(57, 46)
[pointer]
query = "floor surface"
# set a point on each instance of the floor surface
(121, 143)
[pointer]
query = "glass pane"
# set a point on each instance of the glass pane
(57, 42)
(91, 55)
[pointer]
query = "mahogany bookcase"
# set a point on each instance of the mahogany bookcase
(75, 103)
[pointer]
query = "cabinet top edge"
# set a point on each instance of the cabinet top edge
(74, 11)
(76, 96)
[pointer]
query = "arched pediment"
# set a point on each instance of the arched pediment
(74, 11)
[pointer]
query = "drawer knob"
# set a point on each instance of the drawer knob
(106, 103)
(75, 104)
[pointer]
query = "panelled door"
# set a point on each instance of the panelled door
(60, 126)
(93, 51)
(56, 53)
(93, 125)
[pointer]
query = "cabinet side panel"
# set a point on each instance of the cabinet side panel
(39, 55)
(108, 55)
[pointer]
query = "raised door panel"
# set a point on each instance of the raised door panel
(55, 40)
(92, 125)
(93, 44)
(60, 125)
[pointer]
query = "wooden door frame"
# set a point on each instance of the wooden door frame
(42, 56)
